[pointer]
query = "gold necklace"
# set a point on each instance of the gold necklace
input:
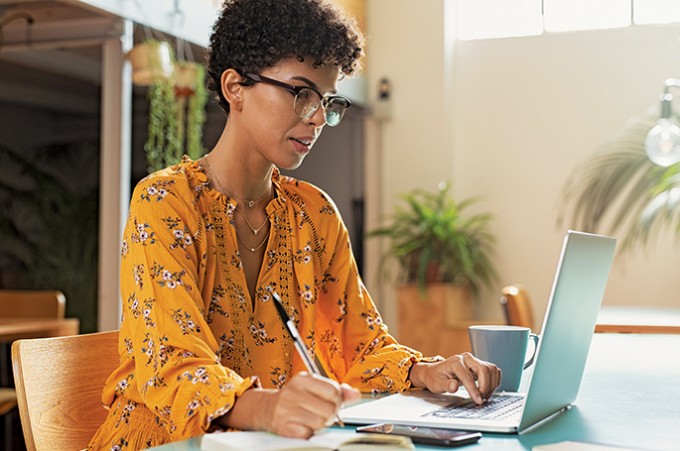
(252, 249)
(250, 203)
(254, 229)
(220, 188)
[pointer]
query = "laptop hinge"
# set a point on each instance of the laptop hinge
(540, 423)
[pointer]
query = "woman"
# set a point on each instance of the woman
(207, 243)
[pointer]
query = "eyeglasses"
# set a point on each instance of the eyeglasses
(308, 100)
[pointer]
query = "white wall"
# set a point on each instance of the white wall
(406, 45)
(523, 113)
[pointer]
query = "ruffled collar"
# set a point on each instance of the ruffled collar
(201, 183)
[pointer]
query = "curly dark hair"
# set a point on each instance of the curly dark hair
(253, 35)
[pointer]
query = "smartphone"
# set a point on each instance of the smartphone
(425, 435)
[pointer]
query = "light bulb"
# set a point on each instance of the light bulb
(662, 143)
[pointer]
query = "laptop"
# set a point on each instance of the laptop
(575, 300)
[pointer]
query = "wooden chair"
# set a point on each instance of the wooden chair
(59, 383)
(32, 304)
(517, 306)
(518, 312)
(22, 304)
(8, 399)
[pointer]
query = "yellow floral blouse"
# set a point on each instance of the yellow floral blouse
(192, 340)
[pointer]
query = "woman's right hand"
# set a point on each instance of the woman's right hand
(304, 405)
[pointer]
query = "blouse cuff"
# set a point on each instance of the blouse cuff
(434, 359)
(246, 384)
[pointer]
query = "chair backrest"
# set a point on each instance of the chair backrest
(8, 399)
(59, 383)
(517, 306)
(27, 304)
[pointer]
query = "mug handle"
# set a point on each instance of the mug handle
(533, 337)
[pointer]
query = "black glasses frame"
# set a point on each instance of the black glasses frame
(296, 89)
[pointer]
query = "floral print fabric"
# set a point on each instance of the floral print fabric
(191, 338)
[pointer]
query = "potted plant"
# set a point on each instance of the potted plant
(620, 189)
(444, 260)
(152, 60)
(49, 223)
(163, 146)
(177, 96)
(192, 95)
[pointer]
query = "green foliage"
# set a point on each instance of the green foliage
(163, 146)
(176, 115)
(432, 241)
(196, 117)
(49, 225)
(620, 190)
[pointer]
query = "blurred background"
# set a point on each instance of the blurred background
(503, 109)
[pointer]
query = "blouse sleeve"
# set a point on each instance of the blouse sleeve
(354, 340)
(177, 369)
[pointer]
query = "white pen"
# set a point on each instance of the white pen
(299, 344)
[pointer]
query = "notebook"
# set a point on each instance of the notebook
(327, 440)
(571, 314)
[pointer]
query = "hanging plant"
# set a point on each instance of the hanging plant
(177, 97)
(192, 96)
(163, 145)
(151, 60)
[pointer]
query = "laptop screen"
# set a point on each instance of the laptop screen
(571, 314)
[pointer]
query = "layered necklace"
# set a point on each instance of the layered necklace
(249, 204)
(255, 230)
(262, 243)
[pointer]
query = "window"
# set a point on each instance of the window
(485, 19)
(656, 11)
(573, 15)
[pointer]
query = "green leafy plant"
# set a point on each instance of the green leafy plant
(177, 97)
(433, 241)
(163, 145)
(49, 224)
(620, 190)
(195, 115)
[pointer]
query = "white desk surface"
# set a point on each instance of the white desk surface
(630, 397)
(618, 314)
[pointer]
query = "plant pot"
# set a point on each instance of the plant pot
(185, 79)
(151, 61)
(424, 321)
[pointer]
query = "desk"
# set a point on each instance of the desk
(15, 328)
(646, 320)
(625, 374)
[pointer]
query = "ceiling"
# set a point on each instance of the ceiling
(55, 63)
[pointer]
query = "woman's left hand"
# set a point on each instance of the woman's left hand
(479, 378)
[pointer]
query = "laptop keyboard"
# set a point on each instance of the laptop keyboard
(497, 407)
